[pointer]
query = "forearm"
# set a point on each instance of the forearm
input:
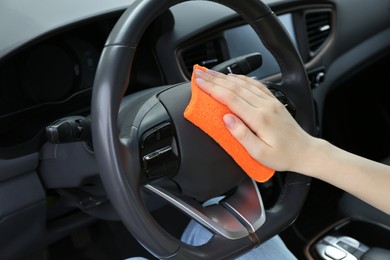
(366, 179)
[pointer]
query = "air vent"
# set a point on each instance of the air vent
(208, 54)
(318, 28)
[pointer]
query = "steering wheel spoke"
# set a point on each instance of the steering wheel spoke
(247, 205)
(236, 215)
(214, 217)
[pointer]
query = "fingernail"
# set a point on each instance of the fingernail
(200, 82)
(199, 73)
(211, 72)
(229, 121)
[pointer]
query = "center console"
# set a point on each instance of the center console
(351, 239)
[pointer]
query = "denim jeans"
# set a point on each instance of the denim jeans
(272, 249)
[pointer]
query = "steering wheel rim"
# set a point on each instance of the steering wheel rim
(114, 150)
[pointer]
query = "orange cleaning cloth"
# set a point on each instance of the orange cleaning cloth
(207, 114)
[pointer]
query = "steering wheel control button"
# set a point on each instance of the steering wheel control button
(151, 138)
(161, 162)
(283, 99)
(157, 134)
(156, 154)
(165, 131)
(158, 151)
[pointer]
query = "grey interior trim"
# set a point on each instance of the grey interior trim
(14, 167)
(36, 20)
(341, 68)
(25, 190)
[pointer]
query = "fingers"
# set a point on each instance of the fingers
(237, 105)
(252, 143)
(238, 85)
(245, 97)
(250, 81)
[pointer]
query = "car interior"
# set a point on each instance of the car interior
(97, 161)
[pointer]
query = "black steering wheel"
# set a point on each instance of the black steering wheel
(143, 145)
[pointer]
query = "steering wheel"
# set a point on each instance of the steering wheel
(143, 145)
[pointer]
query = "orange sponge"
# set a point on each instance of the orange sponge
(207, 113)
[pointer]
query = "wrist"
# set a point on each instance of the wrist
(313, 157)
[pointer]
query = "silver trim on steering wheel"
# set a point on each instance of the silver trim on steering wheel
(234, 217)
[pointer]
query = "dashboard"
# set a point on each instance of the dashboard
(51, 74)
(49, 79)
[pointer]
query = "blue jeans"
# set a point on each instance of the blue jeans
(272, 249)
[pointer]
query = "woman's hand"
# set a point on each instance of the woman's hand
(260, 122)
(271, 136)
